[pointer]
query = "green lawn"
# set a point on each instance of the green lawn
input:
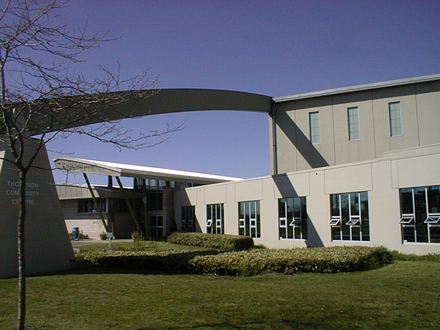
(404, 295)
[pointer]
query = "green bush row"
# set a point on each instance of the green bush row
(168, 261)
(319, 260)
(212, 241)
(433, 257)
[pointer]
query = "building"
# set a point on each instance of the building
(147, 206)
(356, 165)
(350, 166)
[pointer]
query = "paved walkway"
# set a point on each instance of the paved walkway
(96, 241)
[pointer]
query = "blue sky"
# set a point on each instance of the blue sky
(274, 48)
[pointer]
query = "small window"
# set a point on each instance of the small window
(353, 222)
(295, 223)
(334, 222)
(433, 220)
(353, 124)
(395, 119)
(315, 135)
(406, 220)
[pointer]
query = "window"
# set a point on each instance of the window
(349, 217)
(395, 119)
(315, 136)
(292, 218)
(249, 219)
(353, 123)
(87, 205)
(420, 214)
(188, 218)
(214, 219)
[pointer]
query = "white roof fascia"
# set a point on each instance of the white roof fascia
(126, 170)
(357, 88)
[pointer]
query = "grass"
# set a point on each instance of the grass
(403, 295)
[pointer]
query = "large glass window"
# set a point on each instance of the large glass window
(315, 134)
(353, 123)
(395, 119)
(188, 218)
(214, 219)
(249, 219)
(292, 218)
(349, 217)
(420, 214)
(87, 205)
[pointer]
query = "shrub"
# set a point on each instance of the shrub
(318, 260)
(169, 261)
(81, 236)
(212, 241)
(434, 257)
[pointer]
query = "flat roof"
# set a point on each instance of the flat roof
(77, 165)
(357, 88)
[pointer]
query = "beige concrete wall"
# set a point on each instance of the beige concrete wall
(410, 130)
(48, 246)
(349, 151)
(427, 104)
(420, 111)
(91, 227)
(381, 178)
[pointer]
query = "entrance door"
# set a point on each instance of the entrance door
(156, 225)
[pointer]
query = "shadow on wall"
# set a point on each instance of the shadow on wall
(286, 189)
(301, 142)
(185, 202)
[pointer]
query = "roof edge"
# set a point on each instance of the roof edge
(357, 88)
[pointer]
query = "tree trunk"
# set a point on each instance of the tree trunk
(21, 254)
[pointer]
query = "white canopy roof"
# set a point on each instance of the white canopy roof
(78, 165)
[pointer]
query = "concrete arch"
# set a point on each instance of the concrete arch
(179, 100)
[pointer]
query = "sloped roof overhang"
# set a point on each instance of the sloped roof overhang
(76, 165)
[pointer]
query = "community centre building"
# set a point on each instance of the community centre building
(349, 166)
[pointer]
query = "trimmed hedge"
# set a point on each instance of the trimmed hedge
(168, 261)
(317, 260)
(251, 262)
(212, 241)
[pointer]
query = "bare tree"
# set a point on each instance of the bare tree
(42, 97)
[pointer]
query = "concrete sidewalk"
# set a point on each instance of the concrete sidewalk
(96, 241)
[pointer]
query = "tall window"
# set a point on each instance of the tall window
(353, 123)
(292, 217)
(249, 219)
(315, 135)
(420, 209)
(395, 119)
(349, 217)
(156, 225)
(188, 218)
(214, 219)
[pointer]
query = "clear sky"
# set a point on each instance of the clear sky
(275, 48)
